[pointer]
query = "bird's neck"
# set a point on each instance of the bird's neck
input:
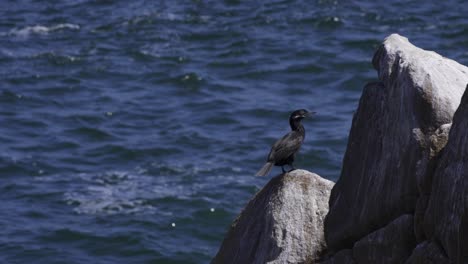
(296, 125)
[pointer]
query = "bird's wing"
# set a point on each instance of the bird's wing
(286, 146)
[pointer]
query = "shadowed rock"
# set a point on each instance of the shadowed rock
(389, 245)
(283, 223)
(446, 218)
(397, 131)
(427, 253)
(433, 144)
(344, 256)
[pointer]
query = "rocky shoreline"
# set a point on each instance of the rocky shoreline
(401, 196)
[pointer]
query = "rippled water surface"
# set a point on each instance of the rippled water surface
(131, 130)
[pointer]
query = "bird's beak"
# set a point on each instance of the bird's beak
(308, 114)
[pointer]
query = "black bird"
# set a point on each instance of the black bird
(283, 151)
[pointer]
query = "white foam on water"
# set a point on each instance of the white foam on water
(136, 191)
(41, 30)
(113, 192)
(119, 192)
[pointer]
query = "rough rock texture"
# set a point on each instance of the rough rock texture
(283, 223)
(446, 218)
(397, 131)
(427, 253)
(391, 244)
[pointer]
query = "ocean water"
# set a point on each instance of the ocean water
(130, 131)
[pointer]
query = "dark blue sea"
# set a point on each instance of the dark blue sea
(130, 131)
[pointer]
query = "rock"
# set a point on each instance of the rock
(344, 256)
(427, 253)
(419, 212)
(446, 217)
(386, 165)
(432, 146)
(391, 244)
(283, 223)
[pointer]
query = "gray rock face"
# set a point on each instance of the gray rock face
(446, 218)
(283, 223)
(398, 129)
(389, 245)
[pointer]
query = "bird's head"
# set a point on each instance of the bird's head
(300, 114)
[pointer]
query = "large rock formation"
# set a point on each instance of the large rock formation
(403, 192)
(283, 223)
(401, 124)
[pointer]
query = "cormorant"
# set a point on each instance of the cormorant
(283, 151)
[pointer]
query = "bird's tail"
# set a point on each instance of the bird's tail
(265, 169)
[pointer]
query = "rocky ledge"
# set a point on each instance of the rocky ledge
(402, 193)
